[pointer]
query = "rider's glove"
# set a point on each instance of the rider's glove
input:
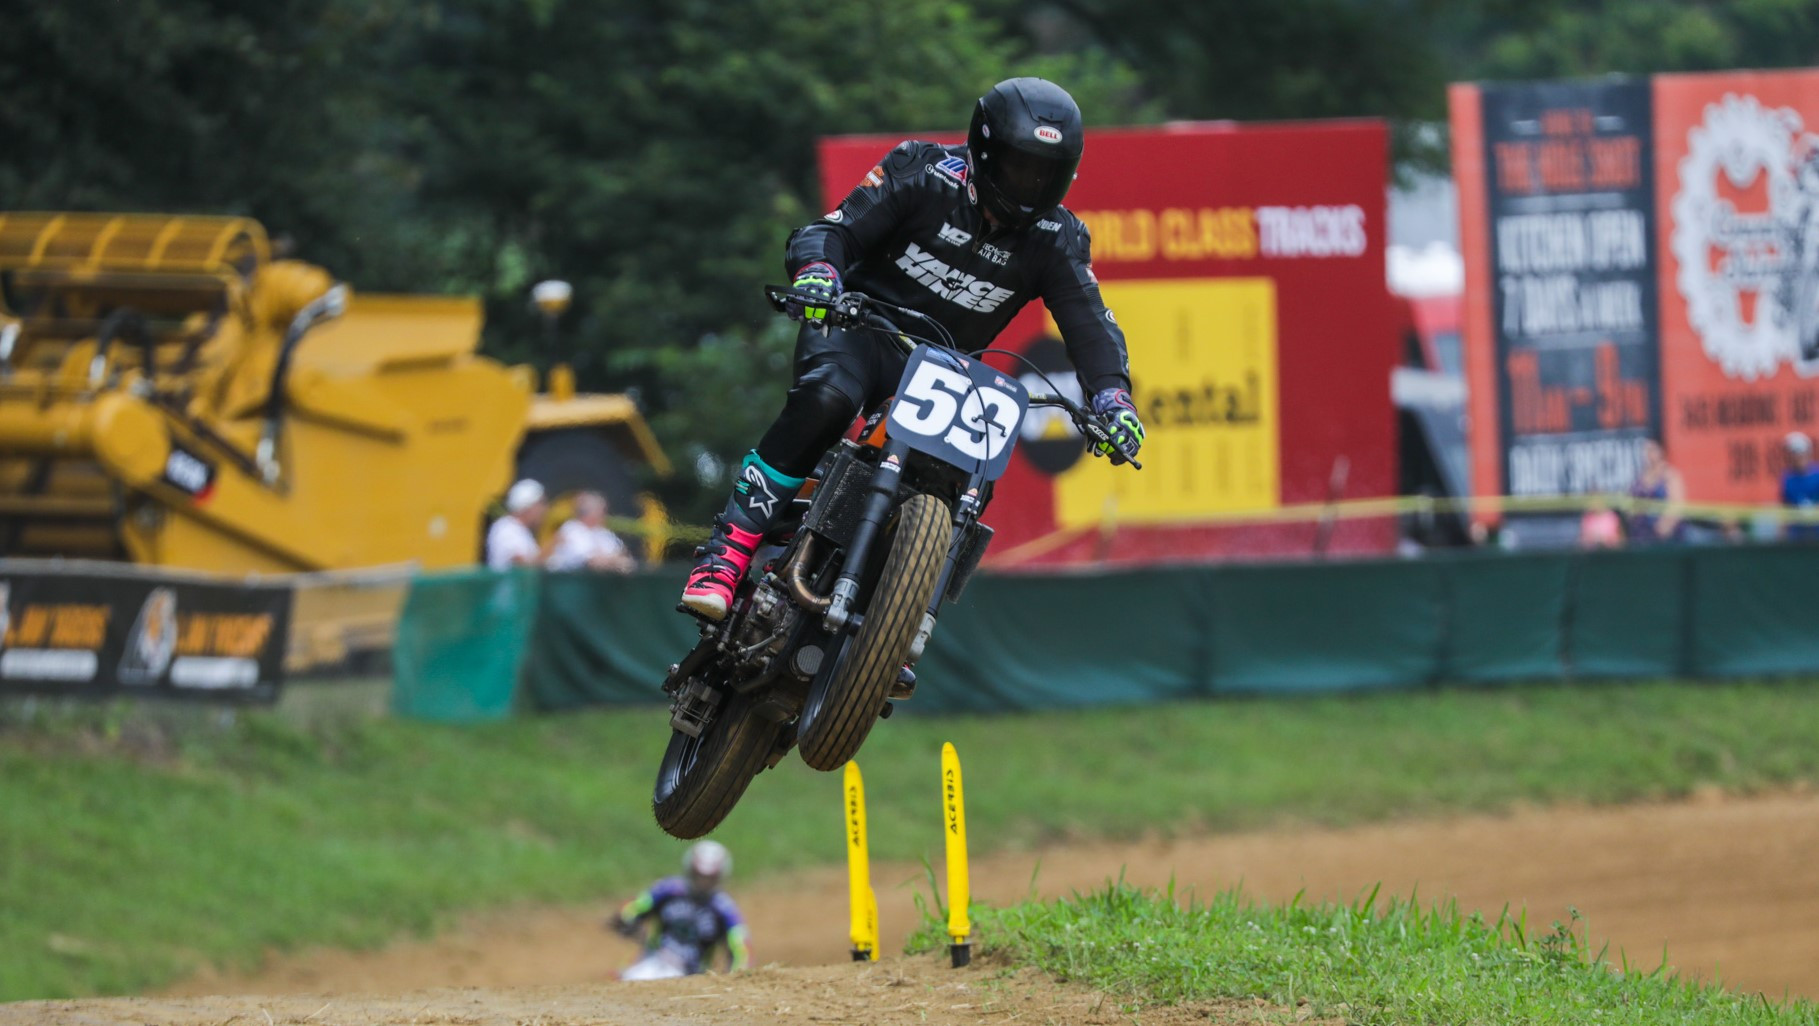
(1114, 406)
(816, 281)
(623, 927)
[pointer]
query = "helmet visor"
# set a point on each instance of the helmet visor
(1034, 182)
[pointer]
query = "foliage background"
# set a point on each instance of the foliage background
(657, 155)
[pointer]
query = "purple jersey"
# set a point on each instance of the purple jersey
(690, 926)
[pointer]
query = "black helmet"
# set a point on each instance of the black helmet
(1023, 148)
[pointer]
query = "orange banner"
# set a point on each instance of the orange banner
(1737, 184)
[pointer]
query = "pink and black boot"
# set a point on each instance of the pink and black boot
(758, 496)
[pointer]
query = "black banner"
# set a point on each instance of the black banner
(1571, 198)
(96, 635)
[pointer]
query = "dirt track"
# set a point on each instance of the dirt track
(1728, 886)
(897, 992)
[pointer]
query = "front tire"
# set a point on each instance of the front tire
(701, 779)
(841, 709)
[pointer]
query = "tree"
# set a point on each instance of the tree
(654, 155)
(1269, 59)
(1265, 59)
(210, 106)
(657, 157)
(1575, 38)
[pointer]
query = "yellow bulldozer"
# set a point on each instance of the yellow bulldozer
(172, 395)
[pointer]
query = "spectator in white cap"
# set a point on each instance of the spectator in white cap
(1800, 485)
(512, 540)
(584, 542)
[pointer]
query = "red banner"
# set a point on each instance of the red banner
(1246, 266)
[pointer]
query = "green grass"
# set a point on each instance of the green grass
(129, 857)
(1392, 963)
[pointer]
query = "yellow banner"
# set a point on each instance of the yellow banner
(1203, 358)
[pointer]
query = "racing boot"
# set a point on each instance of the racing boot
(760, 493)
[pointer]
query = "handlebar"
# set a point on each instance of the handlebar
(851, 310)
(856, 310)
(1090, 424)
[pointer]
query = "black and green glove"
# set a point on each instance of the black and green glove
(1114, 407)
(817, 285)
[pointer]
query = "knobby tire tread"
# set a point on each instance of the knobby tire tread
(857, 693)
(742, 743)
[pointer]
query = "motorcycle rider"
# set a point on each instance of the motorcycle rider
(693, 916)
(964, 234)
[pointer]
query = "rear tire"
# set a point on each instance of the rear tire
(701, 779)
(841, 709)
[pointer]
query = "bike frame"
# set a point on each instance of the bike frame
(834, 614)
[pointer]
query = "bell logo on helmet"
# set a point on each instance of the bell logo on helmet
(1048, 134)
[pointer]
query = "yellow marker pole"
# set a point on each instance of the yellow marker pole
(863, 904)
(959, 894)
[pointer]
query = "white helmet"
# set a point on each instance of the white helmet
(523, 496)
(705, 865)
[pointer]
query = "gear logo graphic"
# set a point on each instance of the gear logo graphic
(1746, 238)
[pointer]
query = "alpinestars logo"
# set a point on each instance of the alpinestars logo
(958, 288)
(758, 494)
(1746, 236)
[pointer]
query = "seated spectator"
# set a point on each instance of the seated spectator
(1600, 527)
(1800, 486)
(585, 543)
(512, 540)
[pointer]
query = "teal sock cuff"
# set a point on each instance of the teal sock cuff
(784, 480)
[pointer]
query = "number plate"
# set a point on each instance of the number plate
(958, 410)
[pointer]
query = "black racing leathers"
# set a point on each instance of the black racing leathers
(910, 236)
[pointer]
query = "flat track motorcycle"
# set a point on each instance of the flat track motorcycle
(826, 627)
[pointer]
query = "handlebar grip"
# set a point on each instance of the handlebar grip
(1096, 433)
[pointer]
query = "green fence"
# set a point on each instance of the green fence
(473, 644)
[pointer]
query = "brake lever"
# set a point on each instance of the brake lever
(779, 296)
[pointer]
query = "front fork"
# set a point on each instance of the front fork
(964, 514)
(880, 496)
